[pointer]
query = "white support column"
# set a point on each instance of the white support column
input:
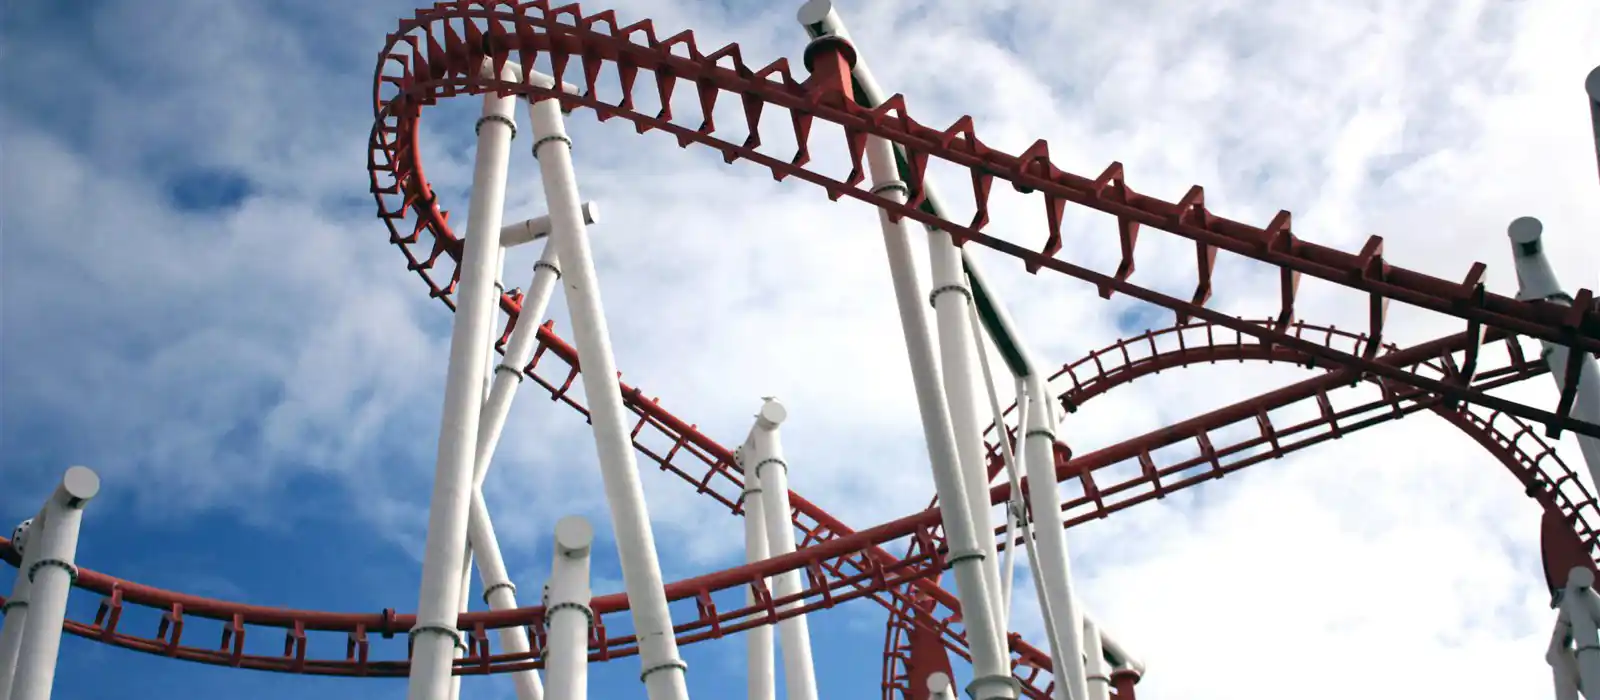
(499, 593)
(461, 634)
(952, 302)
(518, 352)
(1563, 667)
(772, 472)
(488, 381)
(16, 608)
(1099, 677)
(663, 670)
(434, 636)
(567, 611)
(1536, 280)
(1053, 564)
(991, 665)
(1031, 546)
(1580, 610)
(50, 577)
(760, 681)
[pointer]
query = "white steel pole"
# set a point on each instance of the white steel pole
(1030, 545)
(1015, 515)
(663, 670)
(518, 352)
(1099, 677)
(499, 593)
(434, 636)
(567, 611)
(952, 302)
(760, 681)
(1536, 280)
(50, 578)
(16, 607)
(461, 634)
(991, 667)
(1563, 667)
(821, 19)
(772, 472)
(1039, 442)
(1017, 510)
(1585, 636)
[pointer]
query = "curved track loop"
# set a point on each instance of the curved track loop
(840, 564)
(1512, 441)
(439, 52)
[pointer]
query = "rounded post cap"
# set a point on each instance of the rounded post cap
(80, 483)
(772, 414)
(1525, 229)
(574, 534)
(1581, 577)
(814, 11)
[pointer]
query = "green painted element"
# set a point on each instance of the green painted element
(987, 305)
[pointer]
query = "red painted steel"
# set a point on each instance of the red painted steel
(1572, 513)
(841, 564)
(434, 59)
(436, 54)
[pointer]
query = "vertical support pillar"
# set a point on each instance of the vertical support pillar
(1123, 680)
(929, 657)
(991, 666)
(1536, 280)
(50, 578)
(499, 593)
(1097, 675)
(16, 607)
(952, 303)
(461, 634)
(1578, 606)
(1039, 445)
(434, 636)
(772, 472)
(1563, 667)
(567, 611)
(939, 687)
(1591, 85)
(663, 670)
(760, 681)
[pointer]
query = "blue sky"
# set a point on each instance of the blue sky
(198, 302)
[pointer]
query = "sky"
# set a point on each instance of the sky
(197, 301)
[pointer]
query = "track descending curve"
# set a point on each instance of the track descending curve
(436, 55)
(439, 52)
(1515, 443)
(840, 564)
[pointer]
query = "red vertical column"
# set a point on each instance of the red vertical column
(1122, 681)
(829, 59)
(928, 655)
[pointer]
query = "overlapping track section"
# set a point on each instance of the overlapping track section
(436, 55)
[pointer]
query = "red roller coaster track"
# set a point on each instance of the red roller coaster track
(436, 55)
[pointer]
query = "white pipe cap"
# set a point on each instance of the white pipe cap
(772, 414)
(814, 11)
(574, 535)
(80, 483)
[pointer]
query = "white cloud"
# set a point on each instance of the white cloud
(149, 333)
